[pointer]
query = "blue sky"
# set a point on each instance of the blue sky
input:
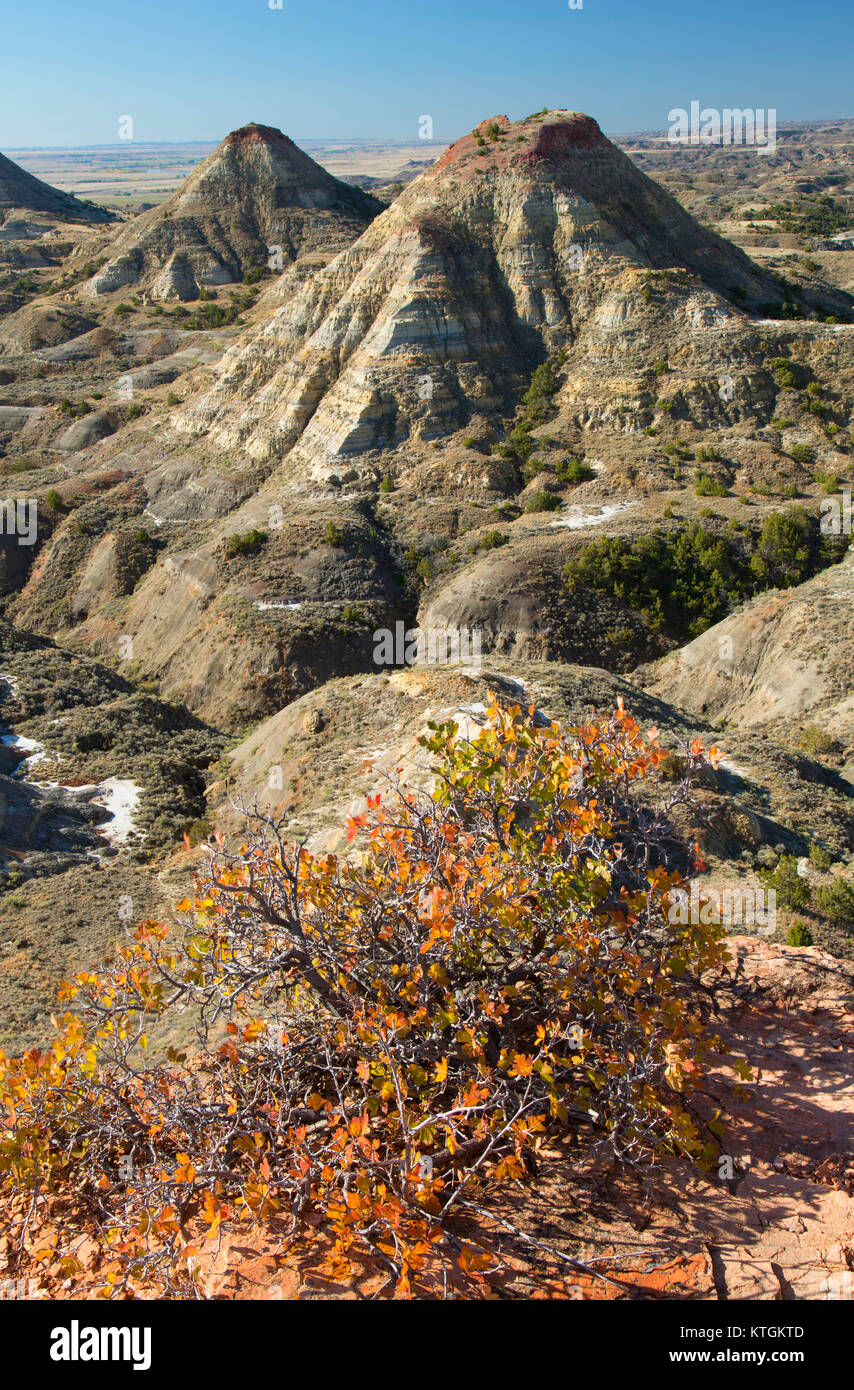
(195, 69)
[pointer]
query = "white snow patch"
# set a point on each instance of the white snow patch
(288, 607)
(578, 518)
(120, 798)
(12, 682)
(34, 752)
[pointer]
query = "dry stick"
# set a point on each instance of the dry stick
(550, 1249)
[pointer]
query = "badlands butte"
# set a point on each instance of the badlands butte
(527, 393)
(588, 402)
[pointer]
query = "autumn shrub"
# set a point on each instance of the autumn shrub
(382, 1040)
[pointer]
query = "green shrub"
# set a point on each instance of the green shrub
(809, 215)
(691, 578)
(572, 471)
(197, 831)
(531, 469)
(492, 540)
(544, 382)
(519, 444)
(542, 502)
(799, 934)
(829, 481)
(836, 901)
(792, 890)
(53, 498)
(785, 553)
(814, 741)
(819, 858)
(790, 376)
(801, 453)
(333, 535)
(386, 485)
(248, 544)
(707, 486)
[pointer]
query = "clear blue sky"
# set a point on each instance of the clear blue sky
(195, 69)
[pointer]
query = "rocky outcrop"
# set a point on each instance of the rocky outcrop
(387, 381)
(256, 196)
(523, 240)
(98, 424)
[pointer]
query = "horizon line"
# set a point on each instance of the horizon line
(366, 139)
